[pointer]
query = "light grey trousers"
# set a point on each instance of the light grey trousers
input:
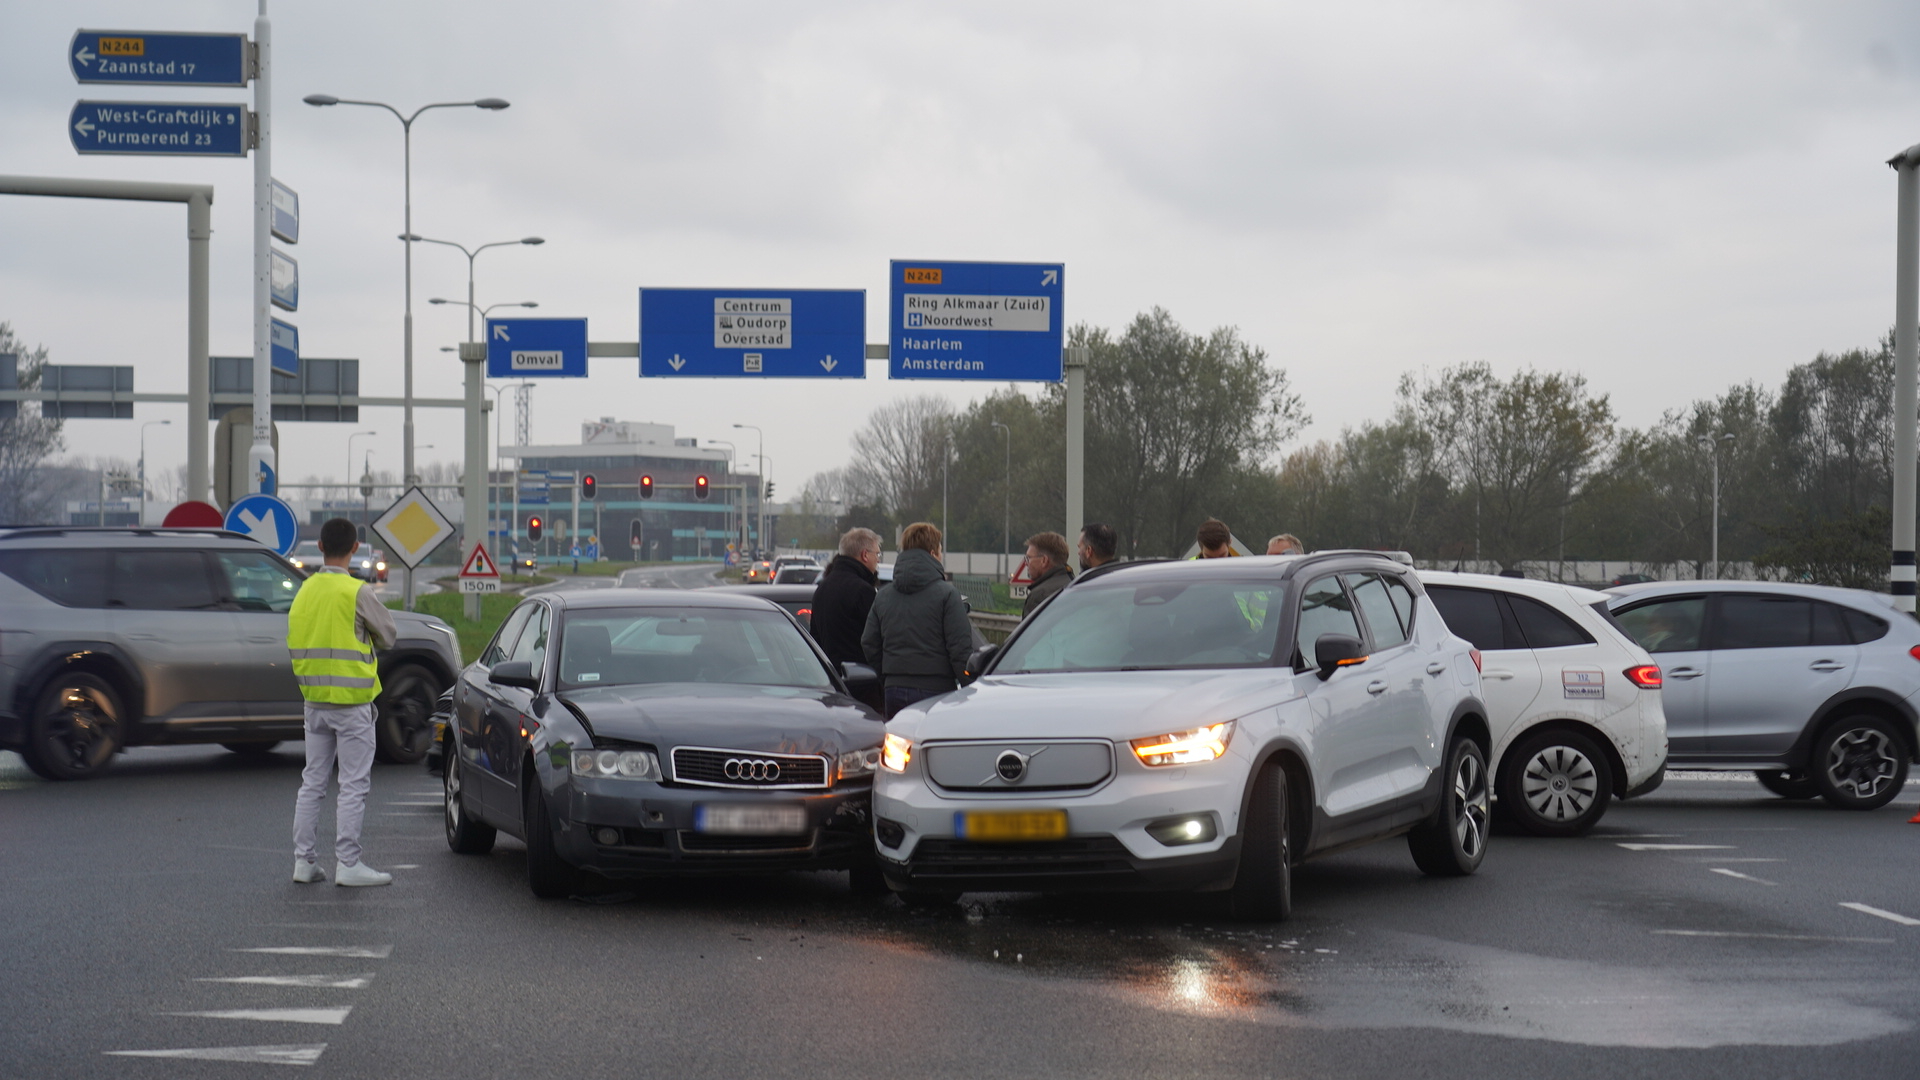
(343, 733)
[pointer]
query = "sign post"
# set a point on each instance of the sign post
(158, 58)
(479, 575)
(965, 320)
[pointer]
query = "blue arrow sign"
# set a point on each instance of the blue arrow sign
(266, 519)
(967, 320)
(751, 333)
(284, 354)
(190, 129)
(286, 213)
(517, 348)
(158, 58)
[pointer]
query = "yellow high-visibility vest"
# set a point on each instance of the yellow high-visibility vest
(330, 662)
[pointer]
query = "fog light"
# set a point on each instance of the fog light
(606, 836)
(1193, 829)
(890, 833)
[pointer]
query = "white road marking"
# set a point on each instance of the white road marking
(1772, 937)
(289, 1016)
(436, 802)
(1743, 877)
(406, 866)
(1718, 858)
(1866, 909)
(361, 952)
(319, 982)
(1647, 836)
(1678, 847)
(308, 1054)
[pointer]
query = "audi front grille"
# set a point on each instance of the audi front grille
(712, 767)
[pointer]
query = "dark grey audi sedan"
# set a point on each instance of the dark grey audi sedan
(632, 733)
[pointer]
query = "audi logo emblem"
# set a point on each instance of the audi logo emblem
(751, 769)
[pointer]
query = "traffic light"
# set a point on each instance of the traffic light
(587, 487)
(633, 534)
(700, 488)
(646, 487)
(769, 491)
(534, 525)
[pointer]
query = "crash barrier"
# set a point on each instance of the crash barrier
(994, 628)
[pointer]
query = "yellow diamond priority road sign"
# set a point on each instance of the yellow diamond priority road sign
(413, 527)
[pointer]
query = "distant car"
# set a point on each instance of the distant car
(1631, 579)
(796, 575)
(1815, 689)
(368, 564)
(760, 571)
(785, 561)
(525, 564)
(795, 600)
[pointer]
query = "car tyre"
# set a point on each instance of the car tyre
(1788, 785)
(1555, 783)
(1453, 842)
(465, 836)
(1859, 762)
(1263, 886)
(251, 749)
(548, 875)
(76, 728)
(403, 727)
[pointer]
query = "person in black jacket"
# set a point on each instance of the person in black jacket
(918, 635)
(844, 595)
(1047, 562)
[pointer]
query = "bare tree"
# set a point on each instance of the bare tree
(897, 455)
(27, 440)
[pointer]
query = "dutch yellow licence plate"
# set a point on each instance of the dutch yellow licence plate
(1010, 824)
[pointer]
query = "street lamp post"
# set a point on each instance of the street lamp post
(1006, 509)
(350, 438)
(1713, 444)
(760, 519)
(143, 464)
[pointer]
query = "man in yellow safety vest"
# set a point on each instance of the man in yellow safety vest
(332, 631)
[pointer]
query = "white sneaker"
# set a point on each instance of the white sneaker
(360, 874)
(307, 873)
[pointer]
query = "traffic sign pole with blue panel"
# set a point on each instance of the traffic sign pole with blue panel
(754, 333)
(266, 519)
(970, 320)
(521, 348)
(285, 353)
(159, 58)
(160, 129)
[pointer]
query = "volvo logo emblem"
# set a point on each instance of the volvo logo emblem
(1010, 766)
(751, 769)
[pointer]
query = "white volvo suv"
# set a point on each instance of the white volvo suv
(1199, 725)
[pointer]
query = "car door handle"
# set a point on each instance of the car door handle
(1827, 665)
(1684, 673)
(1377, 686)
(1436, 669)
(1496, 673)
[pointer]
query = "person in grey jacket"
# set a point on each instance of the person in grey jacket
(917, 635)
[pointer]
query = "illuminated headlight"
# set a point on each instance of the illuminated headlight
(364, 563)
(859, 762)
(895, 752)
(1174, 832)
(1184, 747)
(380, 566)
(616, 764)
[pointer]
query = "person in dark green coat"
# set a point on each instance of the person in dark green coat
(918, 636)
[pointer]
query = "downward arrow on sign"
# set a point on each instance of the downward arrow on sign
(829, 363)
(676, 363)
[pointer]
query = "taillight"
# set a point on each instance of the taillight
(1647, 676)
(1914, 652)
(1475, 653)
(805, 613)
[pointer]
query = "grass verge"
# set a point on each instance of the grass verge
(448, 607)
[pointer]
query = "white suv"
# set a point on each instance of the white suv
(1574, 702)
(1197, 725)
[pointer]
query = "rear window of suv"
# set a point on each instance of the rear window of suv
(70, 578)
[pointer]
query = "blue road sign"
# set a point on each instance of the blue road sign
(284, 284)
(967, 320)
(286, 213)
(158, 58)
(751, 333)
(519, 348)
(536, 487)
(156, 128)
(266, 519)
(285, 353)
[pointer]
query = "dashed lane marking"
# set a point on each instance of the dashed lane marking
(435, 803)
(1743, 877)
(358, 952)
(406, 866)
(286, 1016)
(1880, 913)
(1678, 847)
(306, 1054)
(318, 982)
(1720, 858)
(1772, 937)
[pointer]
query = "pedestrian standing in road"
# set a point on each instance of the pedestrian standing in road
(1047, 566)
(1215, 539)
(333, 630)
(844, 596)
(1097, 545)
(1286, 544)
(917, 634)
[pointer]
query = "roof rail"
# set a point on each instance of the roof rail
(1402, 557)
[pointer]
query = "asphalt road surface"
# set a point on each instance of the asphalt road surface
(1708, 930)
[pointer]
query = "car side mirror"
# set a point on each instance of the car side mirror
(858, 676)
(1332, 652)
(514, 673)
(977, 662)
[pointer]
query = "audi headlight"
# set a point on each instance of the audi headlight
(616, 764)
(895, 752)
(859, 762)
(1184, 747)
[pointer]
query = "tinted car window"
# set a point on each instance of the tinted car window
(1544, 627)
(1666, 625)
(1748, 621)
(1829, 625)
(532, 646)
(1324, 609)
(1151, 625)
(1864, 627)
(1473, 614)
(160, 581)
(503, 642)
(256, 581)
(1371, 594)
(625, 648)
(69, 578)
(1402, 601)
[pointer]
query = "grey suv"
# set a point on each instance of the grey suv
(1813, 688)
(121, 637)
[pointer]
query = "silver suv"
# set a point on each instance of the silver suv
(1813, 688)
(112, 638)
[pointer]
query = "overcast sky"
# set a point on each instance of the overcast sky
(1665, 197)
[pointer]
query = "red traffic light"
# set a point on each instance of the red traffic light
(700, 488)
(534, 525)
(588, 487)
(646, 487)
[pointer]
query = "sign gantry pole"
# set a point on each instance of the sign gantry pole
(261, 465)
(1906, 372)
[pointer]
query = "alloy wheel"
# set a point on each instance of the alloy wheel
(1862, 762)
(1471, 798)
(1559, 783)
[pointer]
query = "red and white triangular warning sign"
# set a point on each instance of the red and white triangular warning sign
(480, 564)
(1021, 576)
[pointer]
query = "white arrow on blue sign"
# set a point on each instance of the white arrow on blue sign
(160, 128)
(158, 58)
(754, 333)
(517, 348)
(968, 320)
(266, 519)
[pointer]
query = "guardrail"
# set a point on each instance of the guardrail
(994, 628)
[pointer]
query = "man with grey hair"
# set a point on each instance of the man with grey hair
(845, 595)
(1286, 544)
